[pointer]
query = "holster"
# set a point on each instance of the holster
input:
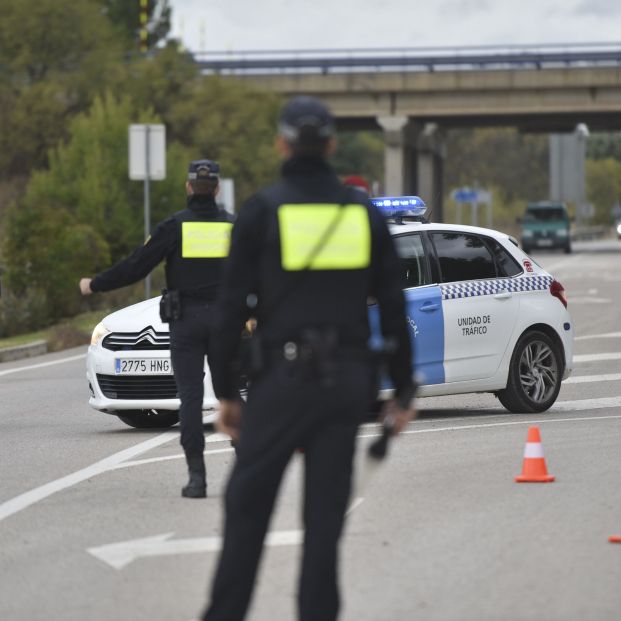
(170, 305)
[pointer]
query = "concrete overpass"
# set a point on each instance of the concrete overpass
(414, 96)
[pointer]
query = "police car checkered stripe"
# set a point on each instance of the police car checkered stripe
(474, 288)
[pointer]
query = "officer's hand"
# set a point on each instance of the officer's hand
(85, 286)
(397, 417)
(229, 419)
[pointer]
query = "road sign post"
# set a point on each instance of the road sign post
(147, 161)
(474, 197)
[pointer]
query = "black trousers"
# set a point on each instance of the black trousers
(288, 409)
(189, 344)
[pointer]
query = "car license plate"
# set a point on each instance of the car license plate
(142, 366)
(544, 242)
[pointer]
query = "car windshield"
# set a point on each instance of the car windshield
(546, 214)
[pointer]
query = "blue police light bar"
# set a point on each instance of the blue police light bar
(391, 206)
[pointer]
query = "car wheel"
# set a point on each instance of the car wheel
(535, 374)
(150, 419)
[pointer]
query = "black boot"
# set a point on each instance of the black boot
(197, 485)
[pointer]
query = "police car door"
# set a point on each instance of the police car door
(423, 309)
(480, 309)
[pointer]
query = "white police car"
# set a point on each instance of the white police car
(484, 317)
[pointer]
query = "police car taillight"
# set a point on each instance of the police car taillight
(558, 291)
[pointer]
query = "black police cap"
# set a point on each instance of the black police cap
(203, 169)
(306, 117)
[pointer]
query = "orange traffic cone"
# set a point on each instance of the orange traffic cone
(615, 539)
(534, 466)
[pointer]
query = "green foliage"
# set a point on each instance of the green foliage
(84, 211)
(360, 153)
(54, 54)
(43, 37)
(233, 123)
(515, 163)
(604, 145)
(603, 183)
(159, 82)
(22, 313)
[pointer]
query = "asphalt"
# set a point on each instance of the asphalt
(439, 532)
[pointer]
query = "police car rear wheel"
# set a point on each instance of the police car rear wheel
(149, 419)
(535, 374)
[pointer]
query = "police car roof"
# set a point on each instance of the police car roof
(408, 227)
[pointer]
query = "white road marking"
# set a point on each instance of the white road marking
(607, 335)
(356, 502)
(25, 500)
(121, 554)
(153, 460)
(597, 357)
(588, 300)
(582, 379)
(42, 364)
(556, 266)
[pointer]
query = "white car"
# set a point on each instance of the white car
(483, 316)
(129, 371)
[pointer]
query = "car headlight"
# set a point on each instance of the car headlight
(527, 233)
(98, 333)
(561, 233)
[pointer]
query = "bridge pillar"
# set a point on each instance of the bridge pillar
(399, 141)
(413, 160)
(430, 154)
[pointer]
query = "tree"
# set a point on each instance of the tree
(54, 55)
(233, 123)
(360, 153)
(515, 163)
(603, 182)
(84, 212)
(604, 145)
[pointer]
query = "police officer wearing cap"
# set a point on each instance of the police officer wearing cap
(306, 254)
(194, 243)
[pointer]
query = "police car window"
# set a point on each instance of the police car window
(463, 257)
(412, 254)
(507, 265)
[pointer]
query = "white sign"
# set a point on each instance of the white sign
(147, 143)
(226, 195)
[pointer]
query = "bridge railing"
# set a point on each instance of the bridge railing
(486, 57)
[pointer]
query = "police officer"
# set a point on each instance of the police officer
(306, 254)
(194, 243)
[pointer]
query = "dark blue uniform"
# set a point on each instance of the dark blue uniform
(314, 386)
(197, 280)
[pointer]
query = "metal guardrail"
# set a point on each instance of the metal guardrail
(412, 59)
(583, 233)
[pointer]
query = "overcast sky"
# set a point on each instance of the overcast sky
(238, 25)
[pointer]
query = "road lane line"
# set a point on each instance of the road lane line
(153, 460)
(25, 500)
(42, 364)
(597, 357)
(608, 335)
(581, 379)
(502, 424)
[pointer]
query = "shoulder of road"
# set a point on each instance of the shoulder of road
(28, 350)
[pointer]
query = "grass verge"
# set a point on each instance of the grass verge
(68, 333)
